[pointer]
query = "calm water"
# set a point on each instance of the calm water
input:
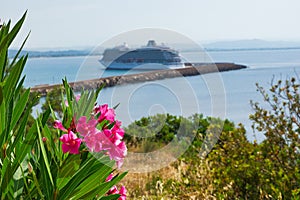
(225, 95)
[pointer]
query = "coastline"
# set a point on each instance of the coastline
(191, 69)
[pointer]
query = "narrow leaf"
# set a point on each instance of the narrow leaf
(92, 182)
(19, 108)
(1, 95)
(77, 178)
(111, 197)
(20, 50)
(13, 33)
(44, 153)
(105, 187)
(12, 79)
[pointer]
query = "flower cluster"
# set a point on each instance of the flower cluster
(114, 189)
(100, 132)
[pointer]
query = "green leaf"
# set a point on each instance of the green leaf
(5, 41)
(37, 184)
(6, 176)
(13, 33)
(18, 138)
(3, 56)
(25, 178)
(20, 86)
(67, 170)
(19, 108)
(111, 197)
(5, 30)
(92, 182)
(105, 187)
(79, 176)
(2, 121)
(116, 106)
(3, 61)
(12, 79)
(80, 105)
(23, 148)
(87, 169)
(45, 116)
(7, 133)
(1, 95)
(20, 50)
(45, 158)
(86, 103)
(52, 145)
(69, 94)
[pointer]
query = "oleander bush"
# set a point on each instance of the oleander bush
(73, 159)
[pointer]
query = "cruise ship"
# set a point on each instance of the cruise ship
(151, 56)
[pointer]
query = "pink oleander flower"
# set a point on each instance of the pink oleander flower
(70, 143)
(77, 98)
(117, 153)
(67, 103)
(122, 192)
(73, 126)
(110, 177)
(57, 124)
(117, 132)
(117, 149)
(107, 140)
(114, 189)
(105, 113)
(84, 127)
(98, 141)
(122, 150)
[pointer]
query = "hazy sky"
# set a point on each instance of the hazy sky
(79, 23)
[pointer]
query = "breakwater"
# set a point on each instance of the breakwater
(190, 69)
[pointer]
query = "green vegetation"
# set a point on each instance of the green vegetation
(33, 166)
(32, 162)
(235, 168)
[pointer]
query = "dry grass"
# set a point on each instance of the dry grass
(175, 181)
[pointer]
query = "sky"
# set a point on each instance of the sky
(79, 23)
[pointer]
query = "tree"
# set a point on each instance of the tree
(280, 124)
(266, 170)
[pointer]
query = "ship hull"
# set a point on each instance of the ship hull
(139, 66)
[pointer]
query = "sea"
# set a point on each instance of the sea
(226, 95)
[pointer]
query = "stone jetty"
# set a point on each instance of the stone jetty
(190, 69)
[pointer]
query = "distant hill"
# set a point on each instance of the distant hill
(251, 44)
(214, 46)
(52, 53)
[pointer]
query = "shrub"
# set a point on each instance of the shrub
(280, 124)
(270, 169)
(36, 163)
(237, 168)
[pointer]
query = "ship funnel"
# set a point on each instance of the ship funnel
(151, 43)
